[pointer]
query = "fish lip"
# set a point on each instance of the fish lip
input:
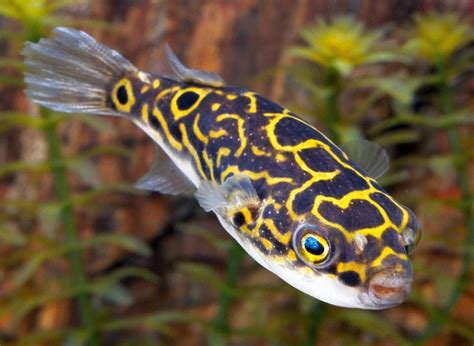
(396, 284)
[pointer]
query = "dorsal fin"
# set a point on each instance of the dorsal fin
(193, 76)
(371, 157)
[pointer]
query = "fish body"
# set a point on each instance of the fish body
(294, 200)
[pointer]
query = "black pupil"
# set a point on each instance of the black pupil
(313, 246)
(186, 100)
(122, 96)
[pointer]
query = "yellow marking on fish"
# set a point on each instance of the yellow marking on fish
(257, 152)
(218, 134)
(127, 107)
(215, 106)
(164, 125)
(247, 215)
(354, 266)
(240, 129)
(220, 153)
(282, 238)
(292, 255)
(252, 102)
(145, 113)
(387, 251)
(181, 113)
(156, 83)
(197, 130)
(231, 97)
(209, 164)
(164, 93)
(144, 88)
(191, 150)
(255, 175)
(268, 244)
(320, 176)
(280, 157)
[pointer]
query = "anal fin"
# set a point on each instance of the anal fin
(165, 177)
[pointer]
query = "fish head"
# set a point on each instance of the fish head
(368, 269)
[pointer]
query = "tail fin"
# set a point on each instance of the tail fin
(72, 72)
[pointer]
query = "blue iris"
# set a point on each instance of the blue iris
(313, 246)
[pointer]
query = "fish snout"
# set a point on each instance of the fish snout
(389, 288)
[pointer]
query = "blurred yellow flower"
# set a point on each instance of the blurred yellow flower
(341, 44)
(19, 9)
(438, 35)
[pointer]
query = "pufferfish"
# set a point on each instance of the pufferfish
(303, 208)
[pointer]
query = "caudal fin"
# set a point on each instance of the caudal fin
(72, 72)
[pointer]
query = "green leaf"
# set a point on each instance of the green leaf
(398, 137)
(202, 273)
(117, 294)
(49, 218)
(158, 321)
(35, 260)
(85, 169)
(216, 240)
(366, 321)
(11, 236)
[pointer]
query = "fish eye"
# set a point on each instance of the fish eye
(312, 247)
(410, 239)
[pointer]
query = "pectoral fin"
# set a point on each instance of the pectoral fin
(236, 192)
(371, 157)
(165, 177)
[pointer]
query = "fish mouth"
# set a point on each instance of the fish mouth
(388, 288)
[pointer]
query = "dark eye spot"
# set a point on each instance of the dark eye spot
(187, 100)
(239, 219)
(350, 278)
(122, 95)
(313, 246)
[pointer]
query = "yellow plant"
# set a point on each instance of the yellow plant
(438, 35)
(341, 44)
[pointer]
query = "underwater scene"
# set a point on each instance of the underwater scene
(236, 172)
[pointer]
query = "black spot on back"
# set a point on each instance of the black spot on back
(238, 219)
(122, 95)
(359, 214)
(187, 100)
(349, 278)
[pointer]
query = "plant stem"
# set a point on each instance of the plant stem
(58, 172)
(332, 115)
(220, 324)
(332, 111)
(316, 315)
(467, 204)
